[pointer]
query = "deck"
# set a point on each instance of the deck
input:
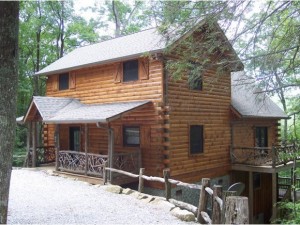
(259, 159)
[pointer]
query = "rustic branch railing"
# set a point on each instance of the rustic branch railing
(258, 156)
(75, 162)
(45, 154)
(236, 208)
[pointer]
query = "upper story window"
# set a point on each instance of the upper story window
(195, 76)
(63, 81)
(261, 137)
(130, 70)
(131, 136)
(196, 139)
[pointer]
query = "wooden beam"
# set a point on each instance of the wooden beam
(110, 151)
(34, 138)
(250, 197)
(274, 194)
(57, 146)
(86, 147)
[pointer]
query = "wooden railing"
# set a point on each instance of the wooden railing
(93, 164)
(258, 156)
(233, 211)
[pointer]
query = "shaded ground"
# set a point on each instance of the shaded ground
(36, 197)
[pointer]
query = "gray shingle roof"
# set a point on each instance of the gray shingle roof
(133, 45)
(70, 110)
(251, 104)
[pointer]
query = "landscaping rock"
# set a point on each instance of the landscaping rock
(135, 194)
(163, 203)
(112, 188)
(183, 214)
(146, 198)
(127, 191)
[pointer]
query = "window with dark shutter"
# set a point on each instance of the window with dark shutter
(63, 81)
(196, 139)
(130, 70)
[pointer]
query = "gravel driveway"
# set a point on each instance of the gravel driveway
(38, 198)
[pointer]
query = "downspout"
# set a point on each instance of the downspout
(110, 146)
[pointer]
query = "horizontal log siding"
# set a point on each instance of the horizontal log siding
(96, 85)
(210, 108)
(244, 131)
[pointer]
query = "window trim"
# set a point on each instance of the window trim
(59, 81)
(123, 71)
(203, 140)
(124, 139)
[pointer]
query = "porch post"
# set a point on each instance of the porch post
(33, 144)
(57, 146)
(250, 197)
(26, 162)
(110, 150)
(274, 194)
(86, 148)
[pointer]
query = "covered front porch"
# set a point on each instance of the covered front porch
(83, 137)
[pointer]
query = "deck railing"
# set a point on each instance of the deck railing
(75, 162)
(258, 156)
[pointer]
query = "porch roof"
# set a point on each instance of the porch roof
(69, 110)
(251, 102)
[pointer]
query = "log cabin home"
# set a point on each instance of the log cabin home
(114, 102)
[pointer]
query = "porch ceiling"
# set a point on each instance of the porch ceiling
(58, 110)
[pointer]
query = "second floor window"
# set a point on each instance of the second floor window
(130, 70)
(195, 76)
(63, 81)
(261, 137)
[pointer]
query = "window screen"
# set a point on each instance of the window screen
(196, 139)
(131, 136)
(63, 81)
(130, 70)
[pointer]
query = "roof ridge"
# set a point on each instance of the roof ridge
(113, 38)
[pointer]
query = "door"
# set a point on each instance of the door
(74, 134)
(261, 137)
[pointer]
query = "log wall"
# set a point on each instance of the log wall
(244, 131)
(98, 85)
(210, 108)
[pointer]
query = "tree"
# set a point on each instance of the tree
(126, 16)
(9, 24)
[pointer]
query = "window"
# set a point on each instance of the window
(130, 70)
(74, 138)
(63, 81)
(196, 139)
(195, 76)
(131, 136)
(261, 137)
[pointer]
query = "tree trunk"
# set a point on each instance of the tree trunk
(9, 25)
(117, 19)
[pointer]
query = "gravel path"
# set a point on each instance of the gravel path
(38, 198)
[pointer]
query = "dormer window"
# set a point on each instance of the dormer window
(63, 81)
(130, 70)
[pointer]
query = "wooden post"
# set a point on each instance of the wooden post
(216, 213)
(33, 144)
(203, 200)
(105, 173)
(274, 194)
(273, 157)
(250, 196)
(28, 139)
(86, 148)
(225, 195)
(57, 147)
(166, 173)
(141, 180)
(110, 151)
(236, 210)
